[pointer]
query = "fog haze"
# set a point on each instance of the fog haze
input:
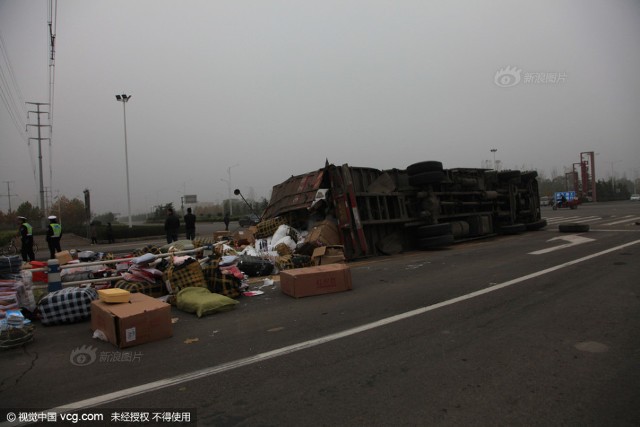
(269, 89)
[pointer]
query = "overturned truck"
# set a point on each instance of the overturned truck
(382, 212)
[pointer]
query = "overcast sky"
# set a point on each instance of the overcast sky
(273, 88)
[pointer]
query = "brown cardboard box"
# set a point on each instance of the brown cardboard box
(244, 237)
(143, 319)
(221, 235)
(64, 257)
(317, 280)
(327, 255)
(325, 232)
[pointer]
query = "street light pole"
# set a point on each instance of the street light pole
(124, 99)
(229, 184)
(493, 150)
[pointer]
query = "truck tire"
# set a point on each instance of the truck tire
(536, 225)
(427, 166)
(426, 178)
(512, 228)
(573, 227)
(434, 230)
(435, 242)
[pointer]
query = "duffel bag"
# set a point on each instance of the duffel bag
(67, 305)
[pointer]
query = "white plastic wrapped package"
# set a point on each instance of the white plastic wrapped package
(280, 233)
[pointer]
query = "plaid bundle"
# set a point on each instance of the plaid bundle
(154, 290)
(288, 262)
(267, 227)
(219, 283)
(67, 305)
(149, 249)
(188, 274)
(283, 249)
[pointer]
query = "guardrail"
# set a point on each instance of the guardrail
(54, 268)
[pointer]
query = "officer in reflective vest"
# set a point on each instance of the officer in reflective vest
(54, 233)
(26, 236)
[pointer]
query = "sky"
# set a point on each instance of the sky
(245, 94)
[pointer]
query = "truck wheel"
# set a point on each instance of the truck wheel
(512, 228)
(435, 242)
(434, 230)
(428, 166)
(426, 178)
(537, 225)
(572, 227)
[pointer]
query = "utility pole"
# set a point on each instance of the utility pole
(9, 192)
(40, 139)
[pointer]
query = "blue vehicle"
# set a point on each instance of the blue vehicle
(565, 199)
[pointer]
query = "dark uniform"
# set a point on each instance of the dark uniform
(26, 237)
(171, 226)
(190, 225)
(54, 234)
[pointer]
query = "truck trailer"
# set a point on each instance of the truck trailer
(425, 206)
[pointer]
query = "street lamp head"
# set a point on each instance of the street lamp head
(123, 97)
(236, 192)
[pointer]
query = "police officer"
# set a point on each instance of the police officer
(26, 236)
(54, 233)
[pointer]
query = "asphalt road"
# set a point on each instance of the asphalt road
(536, 329)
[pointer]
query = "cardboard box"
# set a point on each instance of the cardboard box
(318, 280)
(244, 237)
(221, 235)
(114, 295)
(64, 257)
(327, 255)
(325, 232)
(143, 319)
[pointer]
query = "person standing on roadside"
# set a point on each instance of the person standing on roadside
(94, 234)
(54, 234)
(26, 237)
(190, 225)
(171, 226)
(110, 238)
(226, 221)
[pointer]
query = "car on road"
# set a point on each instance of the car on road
(635, 198)
(249, 220)
(545, 201)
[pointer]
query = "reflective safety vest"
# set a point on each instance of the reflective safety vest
(29, 228)
(57, 229)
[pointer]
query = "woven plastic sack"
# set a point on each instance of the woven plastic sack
(67, 305)
(187, 275)
(267, 227)
(219, 283)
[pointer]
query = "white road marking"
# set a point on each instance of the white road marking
(576, 219)
(627, 219)
(204, 373)
(573, 240)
